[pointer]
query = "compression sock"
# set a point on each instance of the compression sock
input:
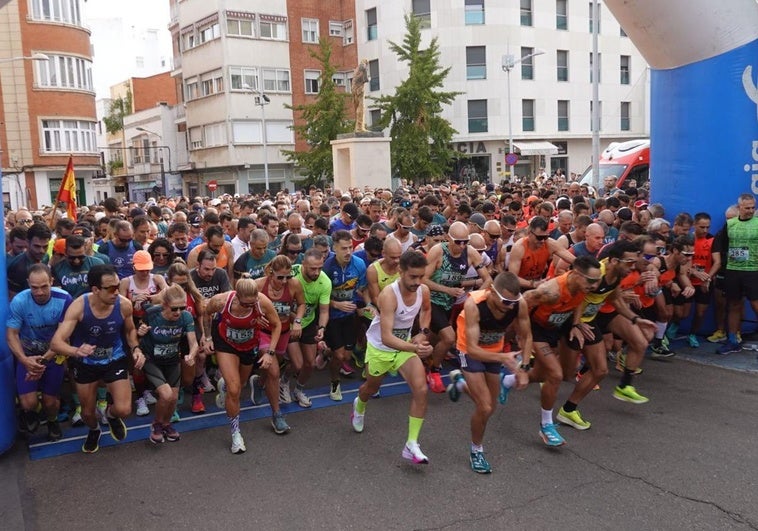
(360, 406)
(660, 329)
(626, 378)
(234, 424)
(414, 428)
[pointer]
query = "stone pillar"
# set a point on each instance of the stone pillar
(362, 159)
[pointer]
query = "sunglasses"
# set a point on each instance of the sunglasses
(591, 280)
(283, 277)
(506, 301)
(294, 251)
(493, 236)
(75, 258)
(407, 227)
(26, 221)
(460, 242)
(688, 253)
(541, 237)
(177, 308)
(110, 289)
(649, 256)
(362, 230)
(661, 250)
(509, 230)
(628, 260)
(480, 250)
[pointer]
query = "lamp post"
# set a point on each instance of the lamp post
(164, 178)
(509, 61)
(262, 100)
(7, 410)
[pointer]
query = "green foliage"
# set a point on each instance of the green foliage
(322, 121)
(118, 109)
(420, 135)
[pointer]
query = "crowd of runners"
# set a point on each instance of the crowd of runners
(241, 299)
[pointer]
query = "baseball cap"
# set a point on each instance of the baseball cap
(142, 261)
(478, 218)
(194, 219)
(59, 247)
(640, 205)
(351, 209)
(436, 230)
(82, 231)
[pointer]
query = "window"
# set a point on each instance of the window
(592, 18)
(240, 27)
(527, 115)
(372, 32)
(243, 78)
(310, 30)
(561, 14)
(276, 80)
(273, 30)
(336, 28)
(215, 134)
(375, 116)
(247, 132)
(599, 66)
(527, 63)
(188, 39)
(279, 132)
(211, 83)
(562, 62)
(625, 126)
(196, 137)
(563, 115)
(208, 33)
(474, 12)
(423, 12)
(191, 89)
(625, 62)
(312, 81)
(66, 11)
(476, 62)
(599, 115)
(348, 35)
(62, 71)
(373, 72)
(526, 12)
(69, 136)
(139, 61)
(477, 116)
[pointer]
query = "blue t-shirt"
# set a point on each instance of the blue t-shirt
(35, 322)
(338, 224)
(345, 282)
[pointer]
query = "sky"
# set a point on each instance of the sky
(116, 29)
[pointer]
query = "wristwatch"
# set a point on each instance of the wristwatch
(525, 367)
(426, 332)
(297, 320)
(271, 352)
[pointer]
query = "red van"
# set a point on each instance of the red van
(628, 160)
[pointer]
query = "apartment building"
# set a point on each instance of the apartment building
(47, 107)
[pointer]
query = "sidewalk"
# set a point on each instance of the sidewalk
(746, 360)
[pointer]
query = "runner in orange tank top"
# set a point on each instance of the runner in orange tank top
(530, 255)
(553, 305)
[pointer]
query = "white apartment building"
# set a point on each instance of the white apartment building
(551, 92)
(227, 53)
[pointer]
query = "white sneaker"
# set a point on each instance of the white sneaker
(206, 384)
(285, 396)
(150, 400)
(356, 419)
(221, 396)
(301, 398)
(142, 409)
(412, 452)
(238, 443)
(335, 393)
(256, 390)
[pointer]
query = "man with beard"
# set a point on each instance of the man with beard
(178, 235)
(38, 237)
(121, 248)
(71, 272)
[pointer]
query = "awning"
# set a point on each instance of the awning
(538, 147)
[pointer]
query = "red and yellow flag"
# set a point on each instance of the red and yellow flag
(67, 192)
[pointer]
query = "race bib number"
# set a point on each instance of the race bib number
(167, 351)
(557, 319)
(739, 254)
(492, 337)
(402, 333)
(101, 353)
(33, 347)
(590, 310)
(237, 335)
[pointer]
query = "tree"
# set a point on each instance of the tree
(320, 122)
(117, 110)
(420, 135)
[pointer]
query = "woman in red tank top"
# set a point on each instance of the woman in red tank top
(236, 335)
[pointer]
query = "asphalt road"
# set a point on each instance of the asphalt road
(686, 460)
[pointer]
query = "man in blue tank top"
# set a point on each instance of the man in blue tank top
(33, 317)
(121, 249)
(91, 333)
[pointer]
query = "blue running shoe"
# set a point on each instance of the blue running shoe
(550, 435)
(479, 463)
(729, 348)
(452, 389)
(503, 396)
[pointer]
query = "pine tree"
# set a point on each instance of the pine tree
(321, 122)
(421, 137)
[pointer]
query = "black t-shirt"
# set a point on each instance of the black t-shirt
(18, 271)
(219, 283)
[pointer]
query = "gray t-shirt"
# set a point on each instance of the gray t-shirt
(219, 283)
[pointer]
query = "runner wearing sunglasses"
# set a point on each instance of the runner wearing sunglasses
(531, 255)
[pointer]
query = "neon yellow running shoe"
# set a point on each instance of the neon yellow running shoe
(573, 419)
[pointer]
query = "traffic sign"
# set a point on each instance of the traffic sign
(212, 185)
(511, 159)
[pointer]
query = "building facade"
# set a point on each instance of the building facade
(47, 108)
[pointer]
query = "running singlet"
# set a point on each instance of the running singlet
(628, 283)
(346, 281)
(239, 332)
(122, 259)
(248, 264)
(742, 253)
(222, 257)
(403, 323)
(534, 262)
(702, 260)
(316, 293)
(74, 281)
(104, 334)
(35, 322)
(492, 251)
(491, 329)
(161, 344)
(555, 315)
(151, 289)
(284, 306)
(383, 278)
(596, 298)
(450, 274)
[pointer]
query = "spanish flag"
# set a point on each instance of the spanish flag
(67, 192)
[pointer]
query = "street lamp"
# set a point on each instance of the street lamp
(262, 100)
(509, 62)
(164, 178)
(33, 57)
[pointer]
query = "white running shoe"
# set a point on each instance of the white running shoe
(238, 444)
(206, 384)
(301, 398)
(142, 409)
(221, 396)
(150, 400)
(356, 419)
(335, 393)
(412, 452)
(285, 395)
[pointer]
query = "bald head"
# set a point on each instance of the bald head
(477, 242)
(458, 231)
(606, 216)
(391, 246)
(593, 237)
(492, 227)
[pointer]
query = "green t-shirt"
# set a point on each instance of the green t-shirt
(742, 253)
(316, 293)
(161, 344)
